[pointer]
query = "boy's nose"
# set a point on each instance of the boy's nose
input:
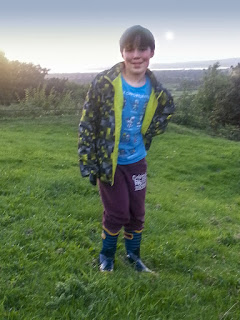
(136, 52)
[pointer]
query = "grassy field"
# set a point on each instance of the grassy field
(51, 224)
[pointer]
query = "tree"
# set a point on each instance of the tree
(227, 107)
(214, 82)
(25, 76)
(5, 80)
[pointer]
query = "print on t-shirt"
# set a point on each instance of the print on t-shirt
(131, 145)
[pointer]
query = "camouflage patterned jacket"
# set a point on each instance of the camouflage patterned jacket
(101, 121)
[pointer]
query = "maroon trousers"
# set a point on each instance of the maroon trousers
(124, 202)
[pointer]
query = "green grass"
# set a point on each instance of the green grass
(51, 225)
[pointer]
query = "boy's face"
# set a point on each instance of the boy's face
(137, 59)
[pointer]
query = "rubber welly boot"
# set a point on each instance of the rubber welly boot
(106, 257)
(132, 244)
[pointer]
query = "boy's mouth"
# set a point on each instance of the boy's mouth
(136, 64)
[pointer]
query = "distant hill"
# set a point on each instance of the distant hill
(224, 63)
(80, 77)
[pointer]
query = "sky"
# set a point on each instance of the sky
(79, 36)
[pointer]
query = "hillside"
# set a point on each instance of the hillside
(51, 230)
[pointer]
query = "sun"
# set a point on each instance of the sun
(169, 35)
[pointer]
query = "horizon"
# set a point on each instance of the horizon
(168, 66)
(73, 37)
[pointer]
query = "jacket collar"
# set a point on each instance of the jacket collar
(114, 72)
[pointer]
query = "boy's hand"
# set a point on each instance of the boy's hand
(93, 179)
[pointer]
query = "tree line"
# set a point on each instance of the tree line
(24, 86)
(216, 105)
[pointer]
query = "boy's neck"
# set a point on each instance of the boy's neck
(135, 80)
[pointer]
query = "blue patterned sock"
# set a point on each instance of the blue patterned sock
(132, 242)
(109, 244)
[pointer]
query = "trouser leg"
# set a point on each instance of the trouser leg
(137, 182)
(115, 200)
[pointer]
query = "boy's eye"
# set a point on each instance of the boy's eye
(128, 49)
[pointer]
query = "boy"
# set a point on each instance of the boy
(124, 108)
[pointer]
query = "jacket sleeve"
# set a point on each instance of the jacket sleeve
(162, 115)
(87, 134)
(165, 111)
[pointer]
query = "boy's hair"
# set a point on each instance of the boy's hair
(137, 36)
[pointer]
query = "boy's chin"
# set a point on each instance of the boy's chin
(137, 71)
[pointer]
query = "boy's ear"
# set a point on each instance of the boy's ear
(152, 53)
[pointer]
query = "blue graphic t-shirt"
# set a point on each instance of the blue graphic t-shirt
(131, 145)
